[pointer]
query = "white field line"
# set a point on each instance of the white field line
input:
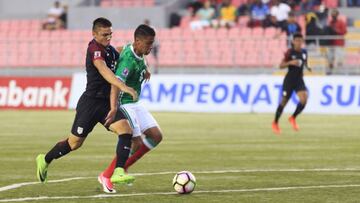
(18, 185)
(173, 193)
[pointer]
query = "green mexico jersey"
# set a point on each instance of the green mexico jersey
(130, 69)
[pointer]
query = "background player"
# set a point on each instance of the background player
(94, 106)
(295, 60)
(132, 70)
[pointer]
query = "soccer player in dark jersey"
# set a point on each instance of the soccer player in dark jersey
(96, 105)
(295, 60)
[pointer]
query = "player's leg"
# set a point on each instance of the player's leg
(132, 126)
(287, 91)
(123, 129)
(153, 135)
(302, 95)
(83, 124)
(120, 127)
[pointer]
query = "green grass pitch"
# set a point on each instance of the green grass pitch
(235, 158)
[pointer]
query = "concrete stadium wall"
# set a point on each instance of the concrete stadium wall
(20, 9)
(81, 17)
(129, 18)
(123, 18)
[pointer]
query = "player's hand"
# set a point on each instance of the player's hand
(132, 92)
(110, 117)
(147, 75)
(294, 62)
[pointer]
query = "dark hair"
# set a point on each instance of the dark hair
(144, 31)
(297, 35)
(101, 22)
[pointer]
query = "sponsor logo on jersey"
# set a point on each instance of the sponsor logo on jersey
(125, 72)
(293, 57)
(97, 54)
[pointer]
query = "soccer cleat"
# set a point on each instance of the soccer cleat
(275, 127)
(120, 177)
(293, 123)
(41, 168)
(106, 184)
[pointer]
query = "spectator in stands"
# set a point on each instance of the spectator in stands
(353, 2)
(204, 17)
(336, 52)
(280, 11)
(63, 16)
(313, 29)
(306, 6)
(227, 16)
(271, 21)
(322, 13)
(245, 8)
(53, 21)
(216, 6)
(259, 12)
(194, 6)
(291, 26)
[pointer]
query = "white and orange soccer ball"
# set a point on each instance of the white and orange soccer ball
(184, 182)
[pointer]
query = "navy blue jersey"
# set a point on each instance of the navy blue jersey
(296, 71)
(96, 85)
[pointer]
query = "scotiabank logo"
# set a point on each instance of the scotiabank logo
(34, 93)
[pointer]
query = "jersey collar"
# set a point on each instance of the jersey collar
(132, 49)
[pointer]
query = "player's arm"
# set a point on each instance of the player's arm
(307, 64)
(114, 93)
(287, 62)
(110, 77)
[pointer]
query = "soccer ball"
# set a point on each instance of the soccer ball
(184, 182)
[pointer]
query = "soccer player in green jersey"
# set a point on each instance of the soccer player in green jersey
(133, 71)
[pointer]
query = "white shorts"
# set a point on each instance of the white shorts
(139, 118)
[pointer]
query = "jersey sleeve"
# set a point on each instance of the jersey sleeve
(306, 56)
(124, 69)
(287, 56)
(97, 53)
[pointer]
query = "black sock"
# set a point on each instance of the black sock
(279, 111)
(123, 149)
(299, 109)
(60, 149)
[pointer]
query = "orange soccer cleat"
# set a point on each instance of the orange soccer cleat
(293, 123)
(275, 127)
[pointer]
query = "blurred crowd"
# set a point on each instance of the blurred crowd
(282, 15)
(321, 25)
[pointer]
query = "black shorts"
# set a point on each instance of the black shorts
(90, 111)
(291, 85)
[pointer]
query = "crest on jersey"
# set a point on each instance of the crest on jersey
(97, 54)
(80, 130)
(125, 72)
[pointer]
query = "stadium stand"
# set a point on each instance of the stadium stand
(27, 45)
(127, 3)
